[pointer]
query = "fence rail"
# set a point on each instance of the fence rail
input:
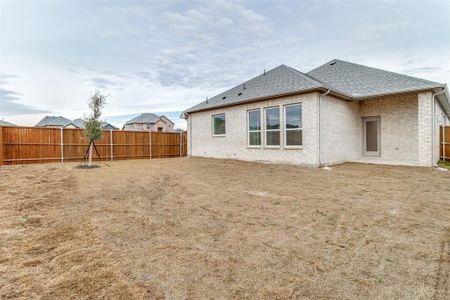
(25, 145)
(444, 149)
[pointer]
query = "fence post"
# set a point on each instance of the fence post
(181, 143)
(443, 143)
(62, 144)
(1, 145)
(150, 143)
(111, 143)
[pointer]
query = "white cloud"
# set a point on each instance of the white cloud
(165, 56)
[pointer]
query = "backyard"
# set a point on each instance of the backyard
(191, 228)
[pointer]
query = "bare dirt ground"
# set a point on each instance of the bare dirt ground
(200, 228)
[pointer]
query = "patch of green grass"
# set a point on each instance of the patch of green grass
(444, 164)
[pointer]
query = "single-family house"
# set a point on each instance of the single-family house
(56, 121)
(150, 122)
(338, 112)
(5, 123)
(105, 125)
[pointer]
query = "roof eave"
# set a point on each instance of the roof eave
(406, 91)
(323, 89)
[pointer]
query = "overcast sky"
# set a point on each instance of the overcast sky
(163, 57)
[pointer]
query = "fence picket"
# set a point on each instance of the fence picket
(444, 148)
(19, 145)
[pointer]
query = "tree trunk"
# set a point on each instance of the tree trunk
(90, 154)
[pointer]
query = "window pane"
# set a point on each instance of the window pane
(293, 137)
(371, 136)
(255, 139)
(294, 116)
(219, 124)
(273, 138)
(273, 118)
(254, 120)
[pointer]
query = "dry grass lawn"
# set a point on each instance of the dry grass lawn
(200, 228)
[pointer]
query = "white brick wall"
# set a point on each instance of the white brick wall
(398, 118)
(424, 132)
(234, 144)
(405, 131)
(340, 137)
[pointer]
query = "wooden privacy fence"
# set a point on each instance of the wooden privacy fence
(24, 145)
(444, 149)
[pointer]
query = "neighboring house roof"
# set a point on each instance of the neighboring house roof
(147, 118)
(5, 123)
(344, 79)
(362, 81)
(54, 121)
(105, 125)
(78, 122)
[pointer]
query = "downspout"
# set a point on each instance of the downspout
(433, 124)
(320, 126)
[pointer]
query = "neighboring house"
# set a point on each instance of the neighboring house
(4, 123)
(150, 122)
(105, 125)
(56, 121)
(338, 112)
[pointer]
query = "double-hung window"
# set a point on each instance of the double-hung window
(254, 127)
(272, 116)
(293, 125)
(218, 124)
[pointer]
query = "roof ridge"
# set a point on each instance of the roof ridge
(310, 78)
(378, 69)
(323, 84)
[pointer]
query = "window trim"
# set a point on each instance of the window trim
(272, 130)
(212, 125)
(251, 131)
(285, 129)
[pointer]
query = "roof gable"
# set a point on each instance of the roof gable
(164, 119)
(362, 81)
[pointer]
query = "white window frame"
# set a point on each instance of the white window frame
(212, 124)
(272, 130)
(285, 129)
(251, 131)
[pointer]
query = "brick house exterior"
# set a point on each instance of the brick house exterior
(397, 123)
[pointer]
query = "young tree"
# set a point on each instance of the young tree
(93, 124)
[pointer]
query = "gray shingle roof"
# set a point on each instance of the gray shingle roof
(53, 121)
(78, 122)
(5, 123)
(362, 81)
(143, 119)
(280, 80)
(349, 80)
(105, 125)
